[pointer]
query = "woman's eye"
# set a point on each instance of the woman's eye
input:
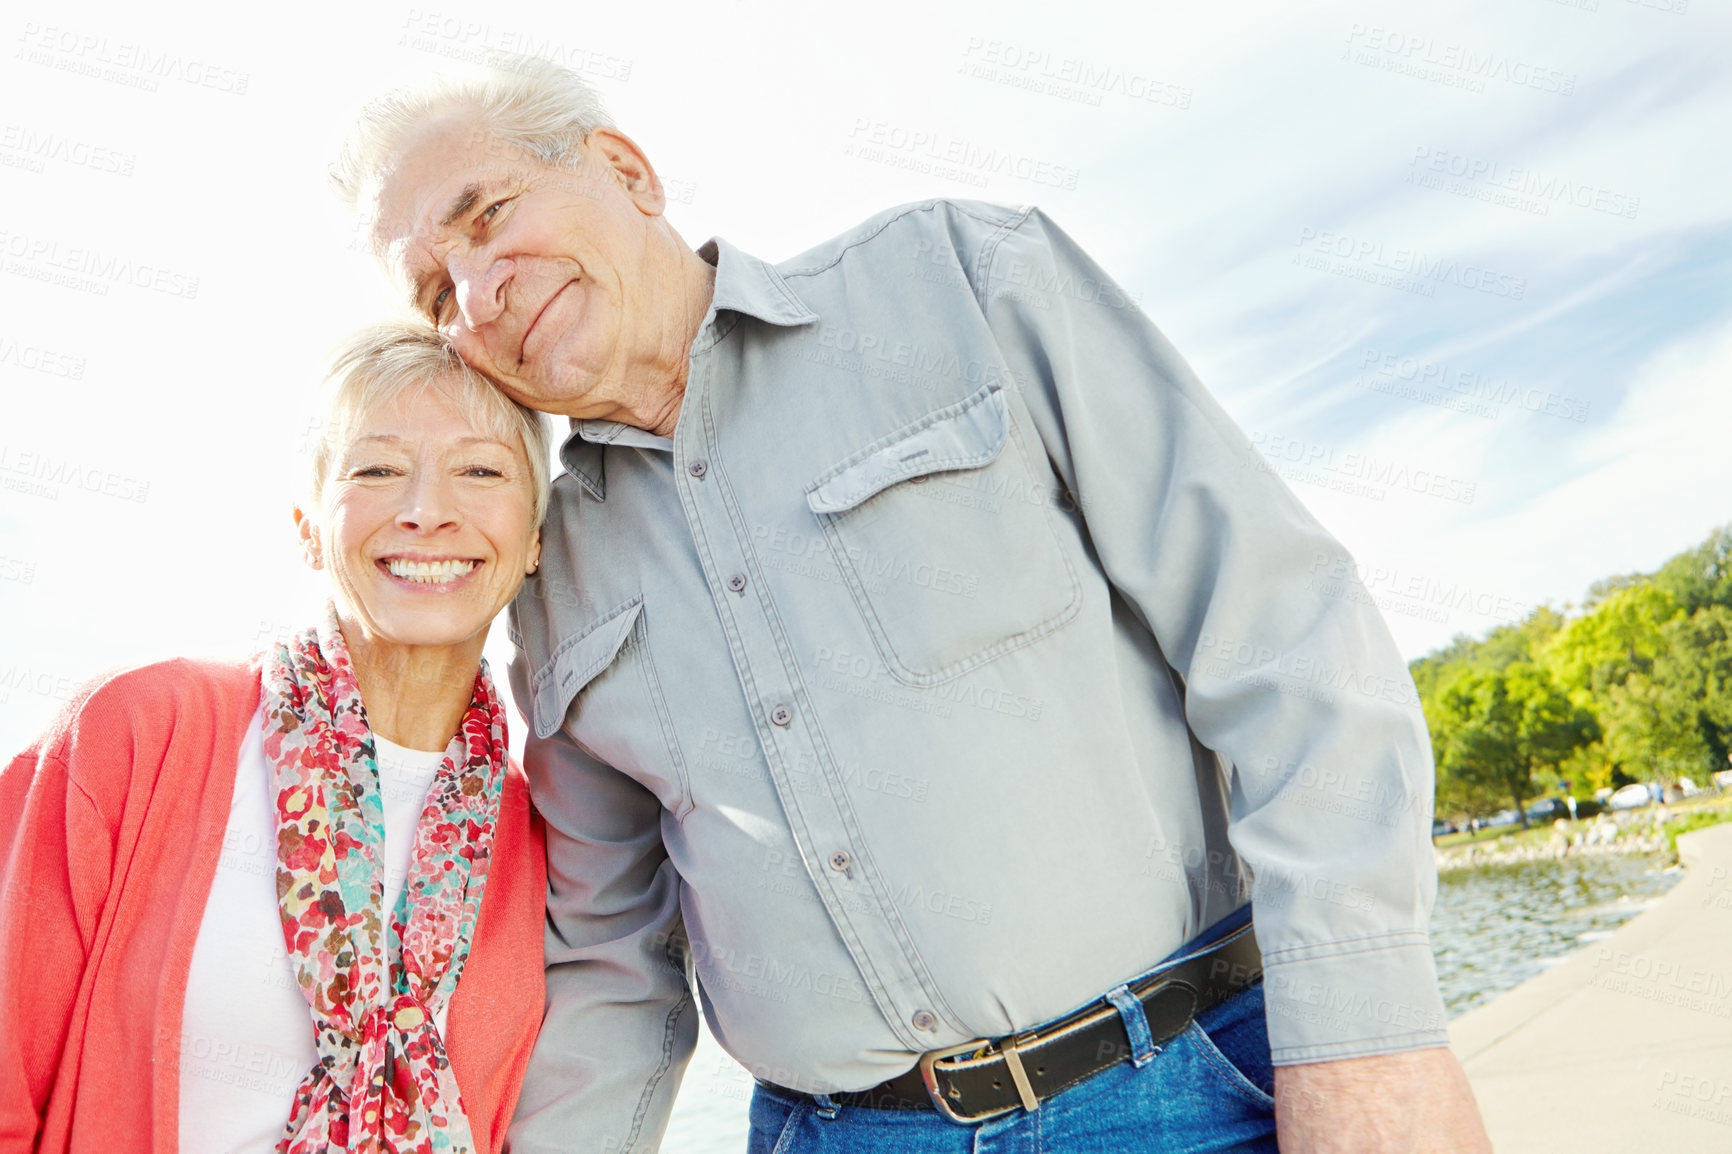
(439, 303)
(373, 471)
(482, 471)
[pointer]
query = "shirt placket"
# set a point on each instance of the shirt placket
(824, 825)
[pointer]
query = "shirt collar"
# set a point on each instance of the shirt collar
(744, 284)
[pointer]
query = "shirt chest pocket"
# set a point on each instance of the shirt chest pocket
(600, 686)
(944, 536)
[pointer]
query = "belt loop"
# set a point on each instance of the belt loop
(826, 1108)
(1143, 1048)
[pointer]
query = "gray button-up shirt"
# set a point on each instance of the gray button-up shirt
(956, 660)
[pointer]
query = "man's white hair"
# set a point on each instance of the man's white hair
(528, 102)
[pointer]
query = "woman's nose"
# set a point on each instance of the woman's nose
(429, 504)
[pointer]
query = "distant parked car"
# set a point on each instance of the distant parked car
(1504, 817)
(1439, 827)
(1548, 809)
(1632, 796)
(1569, 808)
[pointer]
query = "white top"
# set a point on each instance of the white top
(247, 1033)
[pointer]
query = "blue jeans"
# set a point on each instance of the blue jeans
(1206, 1090)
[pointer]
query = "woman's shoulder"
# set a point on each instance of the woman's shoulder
(177, 686)
(136, 703)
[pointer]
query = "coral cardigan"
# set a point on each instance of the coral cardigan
(110, 829)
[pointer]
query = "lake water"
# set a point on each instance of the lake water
(1493, 928)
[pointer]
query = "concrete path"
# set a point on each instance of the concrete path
(1626, 1048)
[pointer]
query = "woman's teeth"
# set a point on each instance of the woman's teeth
(429, 572)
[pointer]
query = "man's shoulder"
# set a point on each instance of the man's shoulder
(963, 225)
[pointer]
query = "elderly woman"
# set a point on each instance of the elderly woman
(296, 904)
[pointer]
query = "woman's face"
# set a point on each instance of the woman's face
(426, 524)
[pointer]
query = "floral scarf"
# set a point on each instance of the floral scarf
(375, 983)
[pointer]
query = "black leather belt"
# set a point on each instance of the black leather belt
(983, 1079)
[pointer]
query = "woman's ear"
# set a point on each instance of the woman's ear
(308, 531)
(534, 554)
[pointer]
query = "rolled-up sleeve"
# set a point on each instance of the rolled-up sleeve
(620, 1023)
(1293, 680)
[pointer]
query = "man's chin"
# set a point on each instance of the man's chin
(543, 397)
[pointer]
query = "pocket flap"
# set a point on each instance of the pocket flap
(576, 662)
(965, 435)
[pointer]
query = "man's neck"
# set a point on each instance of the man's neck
(661, 381)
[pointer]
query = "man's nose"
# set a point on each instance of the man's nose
(480, 288)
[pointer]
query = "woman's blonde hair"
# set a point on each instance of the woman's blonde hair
(381, 362)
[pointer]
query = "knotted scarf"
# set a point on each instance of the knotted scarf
(375, 980)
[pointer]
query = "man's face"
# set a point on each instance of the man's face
(537, 274)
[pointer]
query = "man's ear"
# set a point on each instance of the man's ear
(630, 167)
(308, 531)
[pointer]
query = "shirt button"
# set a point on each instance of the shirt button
(697, 468)
(925, 1020)
(736, 582)
(840, 861)
(781, 715)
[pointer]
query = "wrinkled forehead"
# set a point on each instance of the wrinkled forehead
(415, 193)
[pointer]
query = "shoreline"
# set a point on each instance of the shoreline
(1641, 831)
(1639, 1022)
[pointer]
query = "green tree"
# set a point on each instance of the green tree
(1645, 671)
(1497, 732)
(1508, 644)
(1692, 677)
(1619, 637)
(1498, 649)
(1642, 722)
(1589, 768)
(1700, 577)
(1606, 586)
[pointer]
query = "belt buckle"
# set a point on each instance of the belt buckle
(929, 1077)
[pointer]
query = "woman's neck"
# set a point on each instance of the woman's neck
(415, 695)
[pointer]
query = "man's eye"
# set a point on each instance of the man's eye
(438, 308)
(488, 212)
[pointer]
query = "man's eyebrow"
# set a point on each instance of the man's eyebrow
(464, 202)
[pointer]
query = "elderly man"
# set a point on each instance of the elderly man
(923, 666)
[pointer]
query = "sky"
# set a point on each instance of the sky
(1462, 278)
(1461, 275)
